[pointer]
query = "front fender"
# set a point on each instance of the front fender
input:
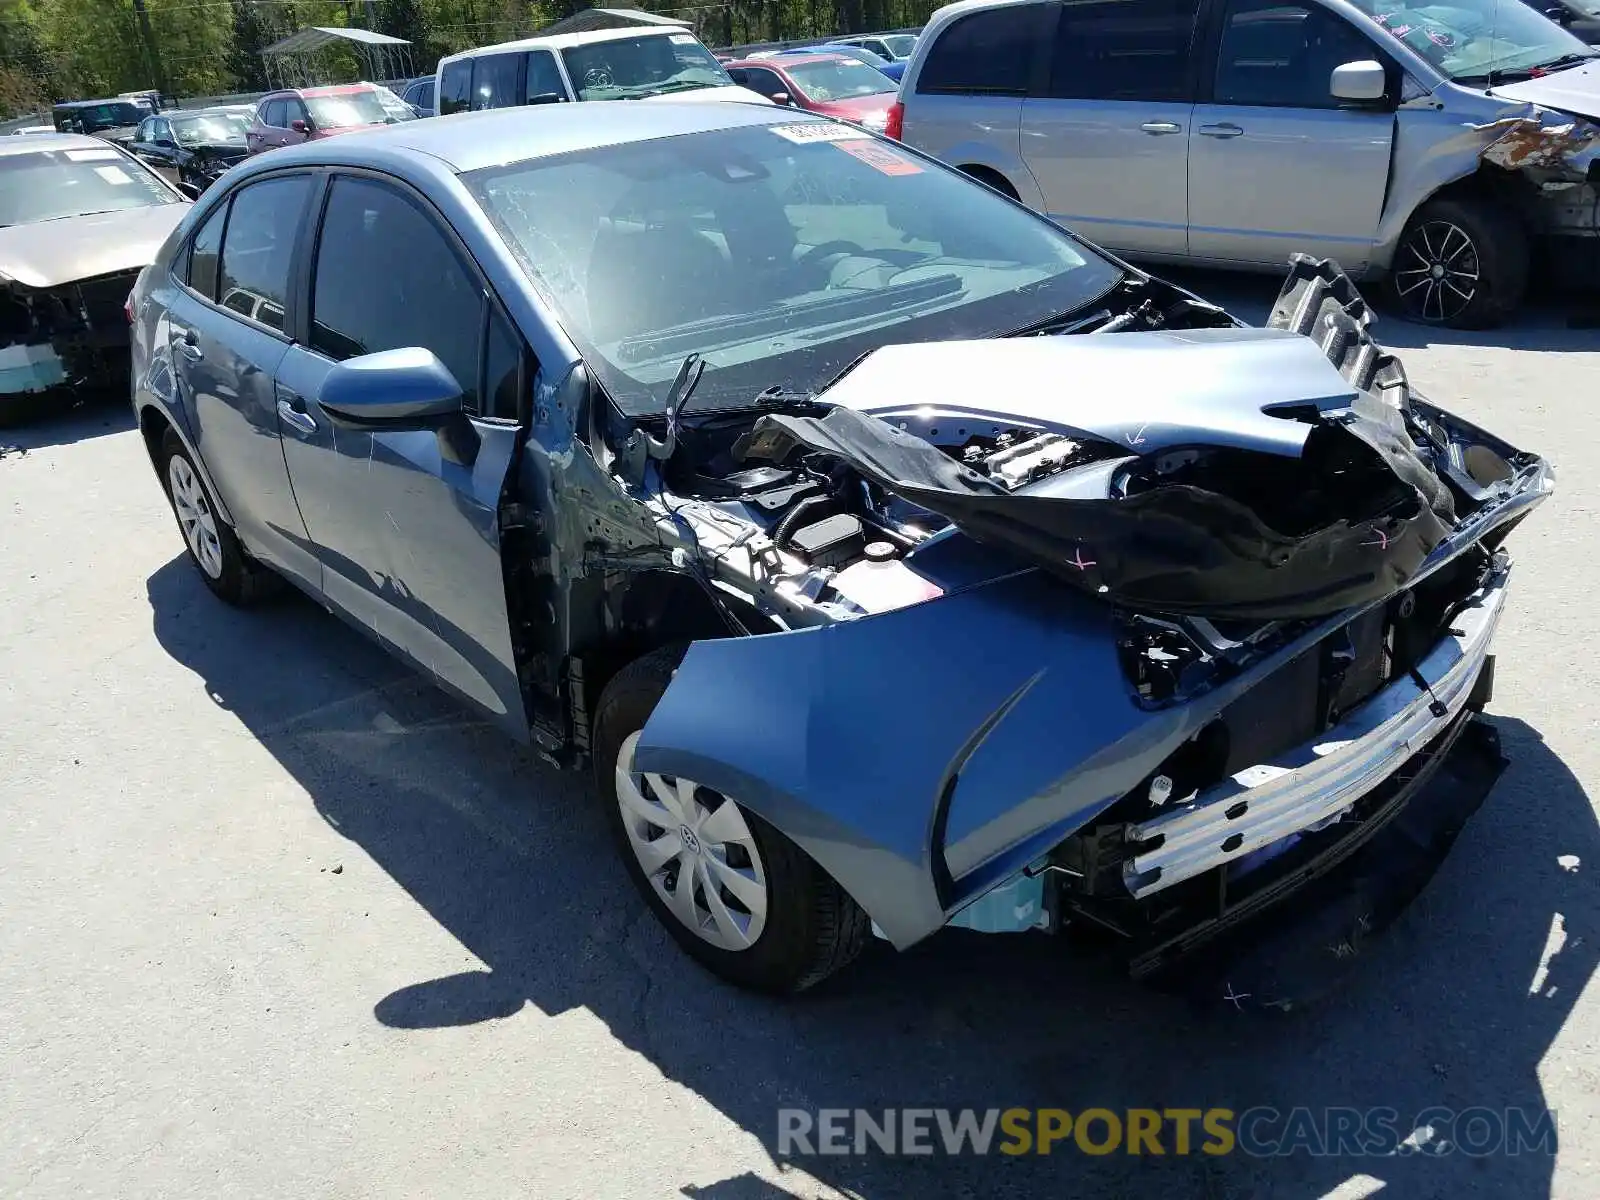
(920, 756)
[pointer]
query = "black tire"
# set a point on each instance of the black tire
(1495, 248)
(993, 178)
(812, 927)
(237, 578)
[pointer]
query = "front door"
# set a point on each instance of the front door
(227, 342)
(405, 524)
(1108, 140)
(1276, 164)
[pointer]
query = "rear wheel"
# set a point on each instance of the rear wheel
(736, 894)
(213, 549)
(993, 178)
(1461, 263)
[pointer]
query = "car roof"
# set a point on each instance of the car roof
(134, 100)
(564, 41)
(211, 110)
(36, 142)
(795, 60)
(468, 141)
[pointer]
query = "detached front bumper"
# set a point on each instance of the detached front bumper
(1319, 782)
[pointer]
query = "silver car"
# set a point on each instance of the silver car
(1452, 150)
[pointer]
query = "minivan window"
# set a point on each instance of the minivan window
(1479, 41)
(544, 79)
(494, 81)
(779, 253)
(455, 87)
(651, 65)
(258, 246)
(1116, 50)
(371, 231)
(987, 52)
(1283, 55)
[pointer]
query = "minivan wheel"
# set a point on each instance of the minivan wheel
(738, 896)
(213, 549)
(1461, 263)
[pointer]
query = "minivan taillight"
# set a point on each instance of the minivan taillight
(896, 124)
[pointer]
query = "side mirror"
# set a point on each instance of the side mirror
(780, 97)
(397, 390)
(1559, 15)
(190, 190)
(300, 126)
(1359, 82)
(546, 98)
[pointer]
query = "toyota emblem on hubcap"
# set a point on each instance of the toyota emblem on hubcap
(689, 839)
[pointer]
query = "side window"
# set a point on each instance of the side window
(253, 280)
(371, 231)
(1116, 50)
(502, 368)
(768, 83)
(203, 254)
(1284, 54)
(147, 131)
(494, 81)
(272, 114)
(295, 109)
(455, 88)
(986, 52)
(163, 131)
(544, 80)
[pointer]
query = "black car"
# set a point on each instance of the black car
(193, 147)
(115, 119)
(419, 95)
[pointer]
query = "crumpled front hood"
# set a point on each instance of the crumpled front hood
(1146, 391)
(1575, 90)
(47, 253)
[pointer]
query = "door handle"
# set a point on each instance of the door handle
(1157, 128)
(1225, 130)
(189, 346)
(293, 414)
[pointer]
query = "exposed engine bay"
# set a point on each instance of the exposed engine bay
(1296, 563)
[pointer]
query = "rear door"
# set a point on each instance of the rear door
(407, 528)
(1107, 137)
(1276, 164)
(228, 337)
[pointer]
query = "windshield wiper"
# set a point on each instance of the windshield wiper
(1508, 74)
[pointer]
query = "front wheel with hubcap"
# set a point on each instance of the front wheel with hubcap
(1460, 263)
(732, 891)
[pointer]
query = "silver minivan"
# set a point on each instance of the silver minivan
(1451, 150)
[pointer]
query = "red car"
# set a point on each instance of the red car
(824, 83)
(297, 115)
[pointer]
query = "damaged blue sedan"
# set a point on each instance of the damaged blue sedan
(894, 558)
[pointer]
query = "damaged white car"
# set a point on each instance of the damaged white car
(895, 559)
(79, 219)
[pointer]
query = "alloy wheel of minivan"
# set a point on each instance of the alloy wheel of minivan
(695, 848)
(1437, 273)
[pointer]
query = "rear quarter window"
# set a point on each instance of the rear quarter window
(988, 53)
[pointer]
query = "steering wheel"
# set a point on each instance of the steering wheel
(816, 253)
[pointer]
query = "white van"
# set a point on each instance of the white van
(607, 64)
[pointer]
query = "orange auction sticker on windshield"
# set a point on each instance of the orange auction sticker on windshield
(880, 158)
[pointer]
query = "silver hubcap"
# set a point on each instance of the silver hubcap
(695, 848)
(195, 517)
(1436, 273)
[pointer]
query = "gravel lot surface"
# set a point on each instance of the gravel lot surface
(277, 919)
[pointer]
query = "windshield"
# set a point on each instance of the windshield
(1478, 41)
(227, 129)
(779, 253)
(393, 105)
(45, 185)
(346, 110)
(827, 81)
(901, 44)
(627, 68)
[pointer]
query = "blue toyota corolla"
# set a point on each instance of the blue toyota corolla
(894, 558)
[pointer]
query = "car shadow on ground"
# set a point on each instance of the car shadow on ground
(55, 422)
(1560, 322)
(1456, 1006)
